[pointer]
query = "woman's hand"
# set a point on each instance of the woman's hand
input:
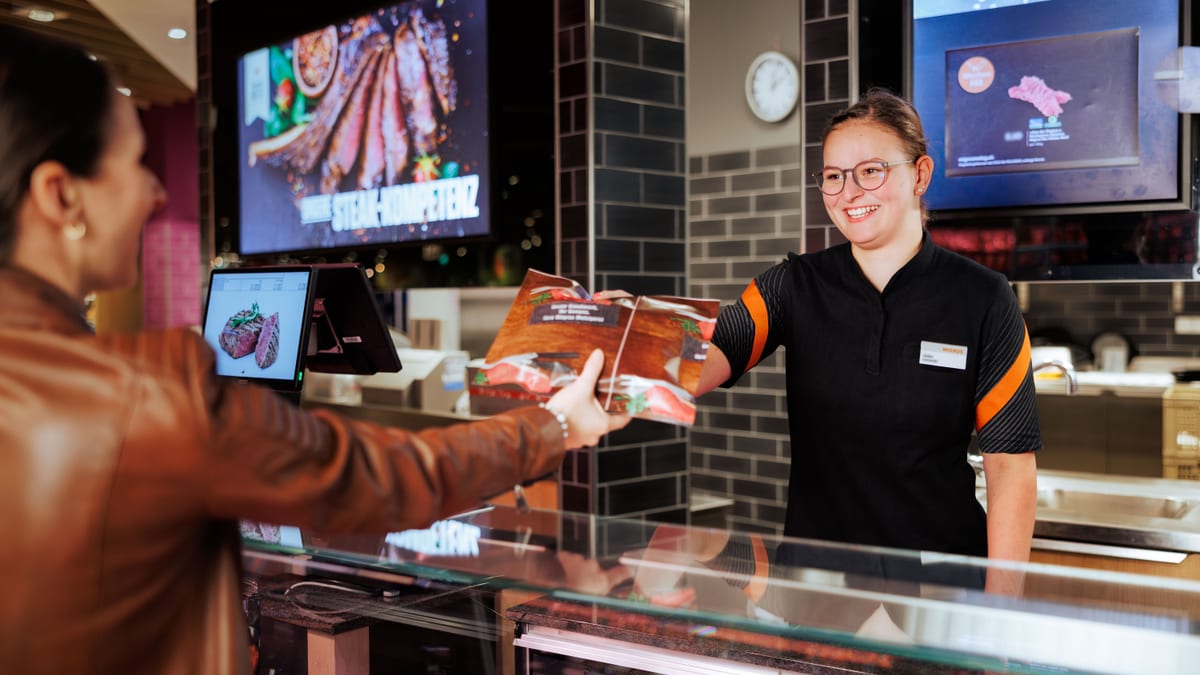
(586, 419)
(585, 575)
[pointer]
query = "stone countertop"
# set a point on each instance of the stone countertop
(656, 629)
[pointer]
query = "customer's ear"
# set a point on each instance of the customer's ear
(53, 194)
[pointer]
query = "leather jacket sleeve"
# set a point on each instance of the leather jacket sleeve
(260, 457)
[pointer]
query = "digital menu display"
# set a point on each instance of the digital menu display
(1047, 103)
(373, 130)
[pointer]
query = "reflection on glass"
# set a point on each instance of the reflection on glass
(713, 585)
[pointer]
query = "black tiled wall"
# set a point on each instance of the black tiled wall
(622, 216)
(204, 132)
(1143, 311)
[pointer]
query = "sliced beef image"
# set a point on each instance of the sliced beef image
(240, 335)
(268, 342)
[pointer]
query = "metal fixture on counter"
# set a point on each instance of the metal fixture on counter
(1068, 371)
(976, 460)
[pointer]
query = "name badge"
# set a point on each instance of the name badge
(943, 355)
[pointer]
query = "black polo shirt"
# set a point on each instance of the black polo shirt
(884, 391)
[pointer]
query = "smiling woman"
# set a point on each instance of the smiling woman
(897, 352)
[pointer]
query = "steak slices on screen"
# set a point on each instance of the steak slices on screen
(268, 342)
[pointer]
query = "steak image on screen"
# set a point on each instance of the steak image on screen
(240, 335)
(268, 342)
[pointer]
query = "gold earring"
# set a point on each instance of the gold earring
(75, 231)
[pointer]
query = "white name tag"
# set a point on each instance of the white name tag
(943, 355)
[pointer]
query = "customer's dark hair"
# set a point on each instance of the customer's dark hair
(883, 107)
(55, 104)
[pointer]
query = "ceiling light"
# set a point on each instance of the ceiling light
(40, 15)
(125, 90)
(177, 33)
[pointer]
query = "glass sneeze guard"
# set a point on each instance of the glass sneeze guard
(922, 607)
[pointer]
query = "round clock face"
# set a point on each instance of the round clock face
(772, 86)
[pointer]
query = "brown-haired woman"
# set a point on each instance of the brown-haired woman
(897, 352)
(126, 462)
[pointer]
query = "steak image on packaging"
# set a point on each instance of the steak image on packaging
(654, 349)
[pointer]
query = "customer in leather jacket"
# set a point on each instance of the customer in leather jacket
(125, 463)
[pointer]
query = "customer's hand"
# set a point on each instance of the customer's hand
(586, 419)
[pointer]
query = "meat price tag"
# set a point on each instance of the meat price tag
(943, 355)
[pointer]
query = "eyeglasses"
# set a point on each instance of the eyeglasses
(869, 175)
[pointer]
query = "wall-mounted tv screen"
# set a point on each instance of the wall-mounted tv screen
(1045, 105)
(372, 130)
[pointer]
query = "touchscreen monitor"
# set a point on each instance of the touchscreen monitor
(256, 320)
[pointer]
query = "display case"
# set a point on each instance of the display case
(505, 589)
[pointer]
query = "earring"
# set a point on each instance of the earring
(75, 231)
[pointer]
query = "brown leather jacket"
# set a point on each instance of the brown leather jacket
(125, 464)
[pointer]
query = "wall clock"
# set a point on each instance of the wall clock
(772, 86)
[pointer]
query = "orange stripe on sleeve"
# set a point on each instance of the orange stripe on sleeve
(752, 298)
(1000, 394)
(758, 585)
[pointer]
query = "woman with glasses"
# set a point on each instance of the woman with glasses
(897, 353)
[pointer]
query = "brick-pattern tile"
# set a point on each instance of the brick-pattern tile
(171, 274)
(750, 203)
(1143, 311)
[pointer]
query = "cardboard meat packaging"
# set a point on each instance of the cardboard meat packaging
(654, 349)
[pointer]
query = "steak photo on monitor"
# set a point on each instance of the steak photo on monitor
(240, 335)
(268, 342)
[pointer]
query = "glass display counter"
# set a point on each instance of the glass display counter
(518, 590)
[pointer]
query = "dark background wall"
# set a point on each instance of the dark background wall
(622, 196)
